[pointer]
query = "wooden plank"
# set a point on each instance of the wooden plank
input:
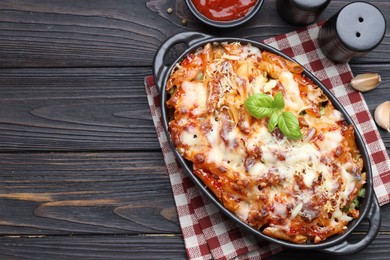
(85, 109)
(111, 193)
(120, 33)
(75, 109)
(71, 33)
(145, 247)
(58, 205)
(69, 193)
(93, 247)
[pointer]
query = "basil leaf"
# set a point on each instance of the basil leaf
(289, 125)
(260, 112)
(273, 121)
(278, 101)
(259, 105)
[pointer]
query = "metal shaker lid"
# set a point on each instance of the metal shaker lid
(360, 26)
(310, 5)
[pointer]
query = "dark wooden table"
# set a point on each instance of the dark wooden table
(81, 171)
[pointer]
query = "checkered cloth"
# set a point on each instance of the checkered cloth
(209, 234)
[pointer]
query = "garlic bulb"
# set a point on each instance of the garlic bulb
(382, 115)
(366, 81)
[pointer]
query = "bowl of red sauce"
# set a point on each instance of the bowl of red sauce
(224, 13)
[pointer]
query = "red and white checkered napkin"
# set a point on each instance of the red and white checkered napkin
(208, 234)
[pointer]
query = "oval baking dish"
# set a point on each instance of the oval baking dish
(369, 207)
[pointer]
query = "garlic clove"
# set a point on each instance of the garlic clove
(382, 115)
(366, 81)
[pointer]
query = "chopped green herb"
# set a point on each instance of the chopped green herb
(355, 203)
(322, 111)
(362, 193)
(199, 76)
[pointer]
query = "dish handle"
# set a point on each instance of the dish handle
(346, 247)
(159, 66)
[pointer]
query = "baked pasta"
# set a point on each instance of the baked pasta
(302, 190)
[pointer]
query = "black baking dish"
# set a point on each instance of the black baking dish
(369, 209)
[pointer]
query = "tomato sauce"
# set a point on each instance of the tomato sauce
(224, 10)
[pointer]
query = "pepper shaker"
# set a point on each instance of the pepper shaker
(356, 29)
(301, 12)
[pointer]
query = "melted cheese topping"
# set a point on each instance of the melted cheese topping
(195, 99)
(298, 190)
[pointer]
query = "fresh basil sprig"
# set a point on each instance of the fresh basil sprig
(261, 106)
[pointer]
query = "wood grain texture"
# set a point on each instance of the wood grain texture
(95, 109)
(144, 247)
(74, 33)
(93, 247)
(91, 193)
(81, 172)
(75, 109)
(69, 193)
(120, 33)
